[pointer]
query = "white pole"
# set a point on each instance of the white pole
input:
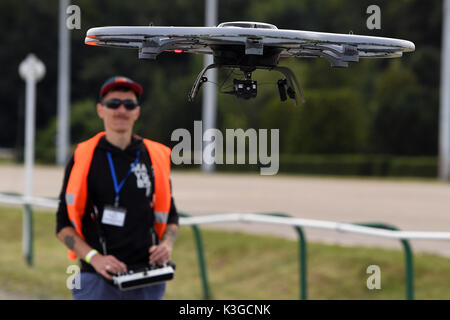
(31, 70)
(27, 223)
(63, 135)
(30, 116)
(444, 118)
(209, 109)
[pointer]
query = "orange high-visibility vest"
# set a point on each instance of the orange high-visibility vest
(76, 190)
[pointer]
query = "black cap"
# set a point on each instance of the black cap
(120, 81)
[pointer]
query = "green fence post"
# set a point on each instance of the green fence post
(302, 258)
(409, 260)
(302, 263)
(202, 263)
(302, 254)
(201, 259)
(27, 234)
(409, 257)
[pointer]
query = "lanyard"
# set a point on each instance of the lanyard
(118, 187)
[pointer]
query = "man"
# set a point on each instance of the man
(116, 210)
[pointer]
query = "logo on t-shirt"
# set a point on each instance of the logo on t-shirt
(142, 178)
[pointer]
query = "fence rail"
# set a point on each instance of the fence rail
(319, 224)
(17, 199)
(371, 229)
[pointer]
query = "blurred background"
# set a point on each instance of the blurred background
(362, 148)
(377, 117)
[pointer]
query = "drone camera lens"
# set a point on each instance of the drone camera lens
(245, 89)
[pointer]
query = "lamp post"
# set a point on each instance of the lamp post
(63, 135)
(31, 71)
(209, 109)
(444, 116)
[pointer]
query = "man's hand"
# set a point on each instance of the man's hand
(102, 264)
(160, 254)
(107, 265)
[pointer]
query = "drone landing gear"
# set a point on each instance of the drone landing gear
(247, 89)
(200, 80)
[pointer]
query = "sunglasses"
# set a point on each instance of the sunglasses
(116, 103)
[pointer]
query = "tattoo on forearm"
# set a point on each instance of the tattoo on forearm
(69, 241)
(171, 234)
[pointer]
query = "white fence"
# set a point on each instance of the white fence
(403, 236)
(251, 217)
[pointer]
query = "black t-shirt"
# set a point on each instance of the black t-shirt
(131, 242)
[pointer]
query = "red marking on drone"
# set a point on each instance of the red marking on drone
(92, 43)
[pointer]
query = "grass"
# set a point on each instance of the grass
(240, 266)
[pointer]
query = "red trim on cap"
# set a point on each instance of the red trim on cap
(121, 79)
(122, 82)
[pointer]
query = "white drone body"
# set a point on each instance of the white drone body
(249, 46)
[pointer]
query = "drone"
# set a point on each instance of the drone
(249, 46)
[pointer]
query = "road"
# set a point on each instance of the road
(408, 204)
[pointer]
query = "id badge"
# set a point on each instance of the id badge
(114, 216)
